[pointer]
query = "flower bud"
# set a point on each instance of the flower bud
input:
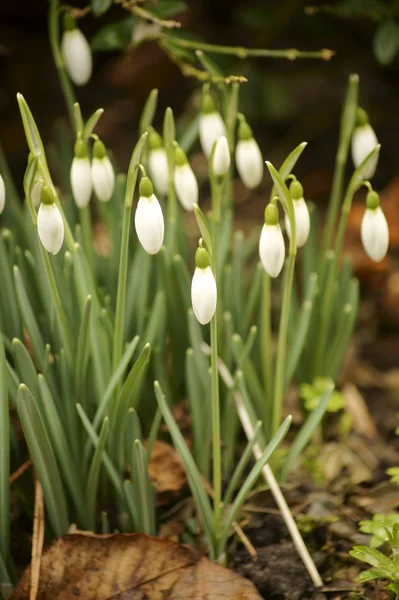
(211, 125)
(102, 173)
(221, 157)
(186, 185)
(81, 183)
(148, 219)
(364, 141)
(271, 243)
(158, 164)
(203, 288)
(2, 194)
(76, 52)
(249, 159)
(301, 212)
(50, 225)
(374, 229)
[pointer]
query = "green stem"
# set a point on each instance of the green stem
(266, 340)
(66, 86)
(121, 293)
(85, 222)
(217, 461)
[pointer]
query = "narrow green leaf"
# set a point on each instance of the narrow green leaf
(288, 165)
(24, 366)
(91, 123)
(204, 228)
(143, 491)
(94, 476)
(83, 353)
(358, 176)
(133, 169)
(148, 111)
(4, 458)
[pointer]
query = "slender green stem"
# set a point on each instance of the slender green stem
(85, 222)
(266, 339)
(66, 86)
(217, 460)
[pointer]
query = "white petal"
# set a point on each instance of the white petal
(221, 157)
(203, 294)
(364, 141)
(249, 162)
(375, 234)
(149, 224)
(103, 178)
(272, 249)
(81, 183)
(2, 194)
(186, 186)
(50, 227)
(77, 57)
(211, 128)
(36, 193)
(302, 219)
(158, 167)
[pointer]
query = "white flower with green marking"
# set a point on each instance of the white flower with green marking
(221, 157)
(81, 183)
(148, 220)
(211, 125)
(50, 224)
(102, 173)
(158, 164)
(374, 229)
(271, 243)
(302, 217)
(76, 52)
(203, 288)
(249, 160)
(185, 182)
(364, 140)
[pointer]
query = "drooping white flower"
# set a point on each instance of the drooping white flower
(302, 217)
(364, 140)
(271, 243)
(249, 159)
(148, 219)
(221, 157)
(186, 185)
(50, 225)
(158, 164)
(76, 52)
(203, 288)
(81, 183)
(102, 173)
(211, 125)
(374, 229)
(2, 194)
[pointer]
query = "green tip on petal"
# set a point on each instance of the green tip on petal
(80, 149)
(46, 196)
(69, 22)
(208, 105)
(180, 156)
(154, 140)
(271, 214)
(362, 117)
(146, 189)
(99, 150)
(244, 130)
(202, 260)
(296, 190)
(372, 200)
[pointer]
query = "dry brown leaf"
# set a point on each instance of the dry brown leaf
(131, 567)
(37, 541)
(166, 471)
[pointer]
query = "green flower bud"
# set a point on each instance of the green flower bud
(154, 140)
(271, 214)
(202, 260)
(244, 130)
(46, 196)
(80, 149)
(146, 189)
(208, 105)
(362, 117)
(69, 22)
(296, 190)
(99, 150)
(180, 156)
(372, 200)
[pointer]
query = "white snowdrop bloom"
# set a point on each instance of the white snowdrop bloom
(221, 157)
(50, 225)
(374, 229)
(302, 217)
(211, 125)
(148, 219)
(364, 140)
(271, 243)
(76, 52)
(158, 164)
(2, 194)
(203, 288)
(185, 182)
(249, 159)
(81, 183)
(102, 173)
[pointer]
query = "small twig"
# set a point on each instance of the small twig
(144, 14)
(245, 540)
(19, 472)
(37, 541)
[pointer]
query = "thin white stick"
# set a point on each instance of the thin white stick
(269, 476)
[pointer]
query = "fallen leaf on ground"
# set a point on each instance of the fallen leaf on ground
(131, 566)
(166, 472)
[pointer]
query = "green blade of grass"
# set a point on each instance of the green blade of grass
(94, 476)
(4, 458)
(144, 494)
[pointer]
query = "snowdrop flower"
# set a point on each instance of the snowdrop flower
(374, 229)
(221, 157)
(211, 126)
(2, 194)
(249, 159)
(364, 141)
(81, 183)
(102, 173)
(148, 219)
(302, 217)
(271, 243)
(158, 163)
(203, 288)
(50, 225)
(76, 52)
(186, 185)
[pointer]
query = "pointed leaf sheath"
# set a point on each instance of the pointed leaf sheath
(2, 194)
(302, 220)
(50, 227)
(37, 192)
(103, 178)
(81, 183)
(272, 249)
(375, 234)
(158, 167)
(149, 224)
(77, 57)
(221, 157)
(186, 186)
(203, 294)
(211, 128)
(249, 162)
(364, 141)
